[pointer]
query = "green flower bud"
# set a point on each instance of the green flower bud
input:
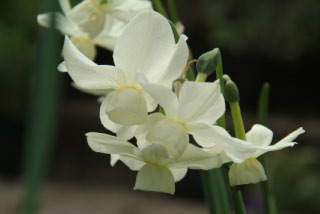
(225, 78)
(231, 92)
(208, 62)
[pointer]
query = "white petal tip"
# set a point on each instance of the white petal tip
(62, 67)
(44, 20)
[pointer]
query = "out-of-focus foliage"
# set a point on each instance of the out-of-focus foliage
(17, 52)
(18, 35)
(295, 179)
(282, 29)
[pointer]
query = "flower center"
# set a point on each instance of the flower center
(93, 17)
(133, 86)
(183, 124)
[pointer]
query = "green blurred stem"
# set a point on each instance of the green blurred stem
(42, 117)
(215, 190)
(159, 7)
(238, 203)
(263, 107)
(237, 199)
(173, 11)
(268, 201)
(263, 110)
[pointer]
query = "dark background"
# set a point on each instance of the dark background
(274, 41)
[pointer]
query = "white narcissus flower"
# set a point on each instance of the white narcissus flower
(157, 169)
(198, 107)
(92, 22)
(146, 46)
(251, 170)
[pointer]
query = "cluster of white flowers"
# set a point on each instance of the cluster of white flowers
(147, 62)
(94, 22)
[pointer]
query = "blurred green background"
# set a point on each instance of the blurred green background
(267, 40)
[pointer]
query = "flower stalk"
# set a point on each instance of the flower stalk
(263, 107)
(159, 7)
(219, 74)
(237, 120)
(232, 96)
(201, 77)
(42, 123)
(214, 181)
(173, 11)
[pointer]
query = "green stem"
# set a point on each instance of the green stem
(263, 107)
(201, 77)
(237, 120)
(173, 11)
(269, 206)
(174, 30)
(214, 185)
(219, 74)
(237, 199)
(238, 203)
(190, 74)
(159, 7)
(41, 124)
(268, 200)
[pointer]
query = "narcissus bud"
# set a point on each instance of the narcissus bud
(208, 62)
(231, 92)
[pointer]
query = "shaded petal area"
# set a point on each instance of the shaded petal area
(196, 158)
(170, 134)
(165, 97)
(249, 172)
(127, 107)
(157, 178)
(178, 173)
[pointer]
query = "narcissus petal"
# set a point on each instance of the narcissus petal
(127, 107)
(196, 158)
(209, 136)
(171, 134)
(201, 102)
(249, 172)
(259, 135)
(156, 178)
(109, 144)
(178, 173)
(146, 45)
